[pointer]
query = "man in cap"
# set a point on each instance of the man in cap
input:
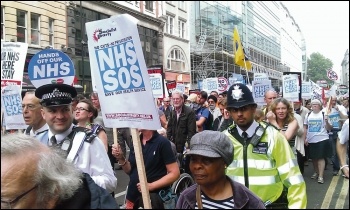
(85, 151)
(263, 159)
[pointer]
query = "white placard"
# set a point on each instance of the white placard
(260, 76)
(121, 75)
(210, 84)
(11, 102)
(181, 87)
(156, 84)
(258, 89)
(13, 56)
(306, 90)
(290, 85)
(316, 91)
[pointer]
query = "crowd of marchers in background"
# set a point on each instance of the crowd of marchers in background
(233, 145)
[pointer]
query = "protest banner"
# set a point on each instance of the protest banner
(236, 78)
(210, 84)
(123, 82)
(13, 55)
(11, 102)
(180, 87)
(334, 120)
(290, 87)
(306, 91)
(171, 86)
(260, 76)
(51, 66)
(259, 88)
(158, 69)
(316, 91)
(156, 84)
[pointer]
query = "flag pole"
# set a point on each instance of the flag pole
(246, 70)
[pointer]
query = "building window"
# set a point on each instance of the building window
(149, 5)
(182, 29)
(170, 25)
(176, 60)
(51, 32)
(2, 23)
(21, 26)
(182, 5)
(35, 28)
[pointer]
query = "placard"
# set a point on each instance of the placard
(306, 90)
(156, 84)
(210, 84)
(171, 86)
(51, 66)
(121, 76)
(13, 55)
(258, 89)
(260, 76)
(290, 87)
(11, 102)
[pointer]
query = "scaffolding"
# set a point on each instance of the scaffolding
(211, 42)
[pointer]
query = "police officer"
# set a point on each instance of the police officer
(263, 160)
(84, 150)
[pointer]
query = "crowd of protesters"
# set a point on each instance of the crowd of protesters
(248, 145)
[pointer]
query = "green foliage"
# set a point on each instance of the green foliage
(317, 67)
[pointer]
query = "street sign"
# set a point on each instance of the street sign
(332, 75)
(223, 84)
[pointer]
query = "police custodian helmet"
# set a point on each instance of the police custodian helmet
(239, 95)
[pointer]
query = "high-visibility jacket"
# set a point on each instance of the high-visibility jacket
(270, 167)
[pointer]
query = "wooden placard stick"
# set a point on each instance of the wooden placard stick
(115, 137)
(141, 169)
(329, 105)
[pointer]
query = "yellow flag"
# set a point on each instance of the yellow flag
(240, 58)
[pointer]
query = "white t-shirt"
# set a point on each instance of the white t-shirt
(316, 131)
(343, 135)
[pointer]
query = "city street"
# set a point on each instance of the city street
(333, 194)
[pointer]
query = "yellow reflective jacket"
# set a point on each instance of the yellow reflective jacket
(270, 167)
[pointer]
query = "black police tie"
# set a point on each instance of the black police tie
(53, 140)
(245, 158)
(245, 135)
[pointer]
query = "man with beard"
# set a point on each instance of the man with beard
(263, 160)
(182, 122)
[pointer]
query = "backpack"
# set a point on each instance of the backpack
(308, 114)
(209, 122)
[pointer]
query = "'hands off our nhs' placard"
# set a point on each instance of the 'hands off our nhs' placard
(120, 73)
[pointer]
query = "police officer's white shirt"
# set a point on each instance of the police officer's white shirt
(250, 131)
(343, 134)
(92, 159)
(34, 133)
(316, 128)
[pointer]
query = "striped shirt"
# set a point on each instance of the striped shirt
(292, 140)
(209, 203)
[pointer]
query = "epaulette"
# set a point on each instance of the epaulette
(90, 135)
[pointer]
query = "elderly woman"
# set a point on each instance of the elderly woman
(316, 137)
(210, 154)
(85, 113)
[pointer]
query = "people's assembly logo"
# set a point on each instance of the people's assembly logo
(99, 33)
